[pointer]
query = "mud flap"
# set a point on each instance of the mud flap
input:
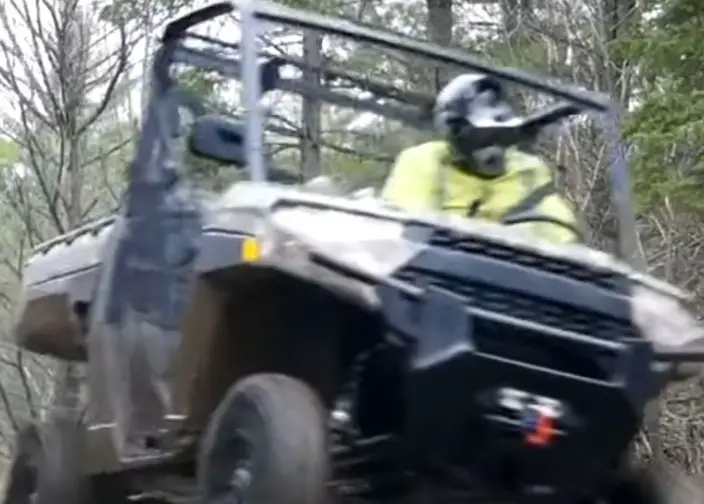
(59, 473)
(22, 473)
(47, 466)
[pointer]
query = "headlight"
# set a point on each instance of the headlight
(663, 320)
(371, 244)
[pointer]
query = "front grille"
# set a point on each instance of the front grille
(533, 346)
(522, 307)
(449, 240)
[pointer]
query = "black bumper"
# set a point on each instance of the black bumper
(484, 328)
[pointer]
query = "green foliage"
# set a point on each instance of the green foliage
(128, 10)
(667, 126)
(314, 5)
(666, 133)
(669, 45)
(9, 153)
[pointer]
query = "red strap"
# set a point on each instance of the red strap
(543, 433)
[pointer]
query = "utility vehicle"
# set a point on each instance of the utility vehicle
(282, 344)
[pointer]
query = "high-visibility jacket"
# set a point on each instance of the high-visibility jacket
(424, 178)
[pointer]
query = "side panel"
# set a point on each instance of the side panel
(49, 326)
(59, 276)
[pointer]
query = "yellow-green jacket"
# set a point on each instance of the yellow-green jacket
(423, 177)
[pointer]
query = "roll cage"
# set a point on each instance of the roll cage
(260, 76)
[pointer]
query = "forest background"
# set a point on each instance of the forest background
(72, 88)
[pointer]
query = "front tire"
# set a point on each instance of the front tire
(265, 443)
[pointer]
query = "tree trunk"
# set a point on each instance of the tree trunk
(74, 48)
(514, 12)
(310, 139)
(440, 23)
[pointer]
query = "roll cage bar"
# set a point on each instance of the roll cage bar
(260, 76)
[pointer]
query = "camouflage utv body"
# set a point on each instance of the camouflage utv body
(240, 310)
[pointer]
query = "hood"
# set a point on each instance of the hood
(329, 219)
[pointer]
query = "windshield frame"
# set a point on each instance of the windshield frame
(254, 15)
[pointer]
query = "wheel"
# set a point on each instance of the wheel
(265, 443)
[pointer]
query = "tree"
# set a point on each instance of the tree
(665, 128)
(61, 67)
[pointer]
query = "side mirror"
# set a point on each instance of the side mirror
(219, 139)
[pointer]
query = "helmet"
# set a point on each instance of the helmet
(465, 110)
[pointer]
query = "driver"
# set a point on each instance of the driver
(468, 175)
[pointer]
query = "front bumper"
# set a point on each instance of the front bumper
(482, 327)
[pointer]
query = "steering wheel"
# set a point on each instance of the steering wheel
(524, 218)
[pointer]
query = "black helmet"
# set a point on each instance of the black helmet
(465, 109)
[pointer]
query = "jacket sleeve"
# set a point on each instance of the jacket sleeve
(412, 183)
